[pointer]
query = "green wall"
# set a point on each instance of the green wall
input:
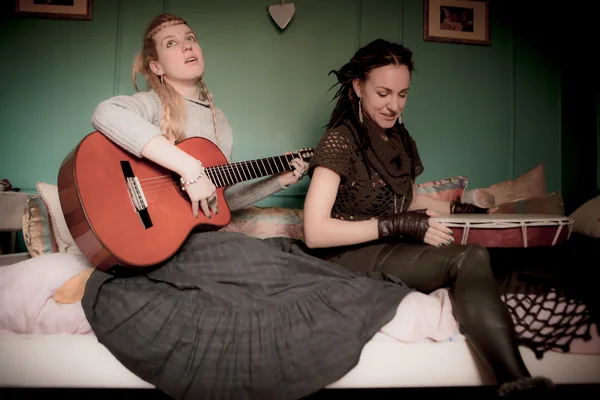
(490, 113)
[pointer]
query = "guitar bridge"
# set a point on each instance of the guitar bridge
(136, 194)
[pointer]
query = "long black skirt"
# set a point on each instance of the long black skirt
(235, 317)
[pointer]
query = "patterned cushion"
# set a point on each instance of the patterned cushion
(264, 222)
(37, 228)
(445, 189)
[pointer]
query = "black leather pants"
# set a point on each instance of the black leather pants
(466, 271)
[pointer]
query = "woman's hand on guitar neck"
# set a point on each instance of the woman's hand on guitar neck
(299, 168)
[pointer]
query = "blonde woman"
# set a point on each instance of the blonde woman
(178, 105)
(228, 316)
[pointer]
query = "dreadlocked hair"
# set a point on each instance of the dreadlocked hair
(377, 53)
(173, 120)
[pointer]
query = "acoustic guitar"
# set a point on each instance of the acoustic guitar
(127, 213)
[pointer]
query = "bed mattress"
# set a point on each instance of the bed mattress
(79, 361)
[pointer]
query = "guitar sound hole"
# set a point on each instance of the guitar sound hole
(177, 184)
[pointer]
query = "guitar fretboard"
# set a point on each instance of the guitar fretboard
(230, 174)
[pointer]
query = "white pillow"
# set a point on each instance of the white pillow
(26, 290)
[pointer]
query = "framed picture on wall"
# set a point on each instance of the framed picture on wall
(457, 21)
(57, 9)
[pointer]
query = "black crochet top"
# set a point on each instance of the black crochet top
(375, 182)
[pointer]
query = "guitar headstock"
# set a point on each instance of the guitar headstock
(305, 154)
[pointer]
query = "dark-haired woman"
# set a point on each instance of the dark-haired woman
(362, 210)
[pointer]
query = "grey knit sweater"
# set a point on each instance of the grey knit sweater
(132, 121)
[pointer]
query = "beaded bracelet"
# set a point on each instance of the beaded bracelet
(185, 183)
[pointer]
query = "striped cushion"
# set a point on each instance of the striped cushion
(37, 229)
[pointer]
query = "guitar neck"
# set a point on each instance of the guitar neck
(230, 174)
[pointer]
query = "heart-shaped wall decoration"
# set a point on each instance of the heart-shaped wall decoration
(282, 13)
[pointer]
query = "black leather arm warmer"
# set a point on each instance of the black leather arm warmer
(456, 207)
(411, 224)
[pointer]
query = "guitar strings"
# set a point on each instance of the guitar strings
(227, 174)
(234, 168)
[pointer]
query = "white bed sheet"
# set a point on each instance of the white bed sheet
(79, 361)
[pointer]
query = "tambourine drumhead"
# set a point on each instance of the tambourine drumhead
(508, 230)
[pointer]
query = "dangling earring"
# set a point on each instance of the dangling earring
(360, 115)
(162, 81)
(400, 119)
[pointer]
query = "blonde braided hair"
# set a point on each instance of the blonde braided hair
(173, 120)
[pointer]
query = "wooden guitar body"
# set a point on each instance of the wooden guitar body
(129, 213)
